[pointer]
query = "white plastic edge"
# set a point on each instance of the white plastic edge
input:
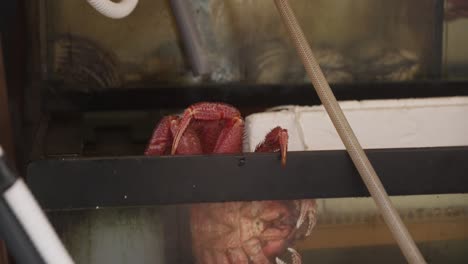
(114, 10)
(36, 225)
(380, 104)
(1, 151)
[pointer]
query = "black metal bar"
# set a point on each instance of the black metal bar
(240, 95)
(137, 181)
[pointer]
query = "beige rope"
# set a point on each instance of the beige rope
(358, 156)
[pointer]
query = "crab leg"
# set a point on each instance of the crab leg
(204, 111)
(307, 210)
(253, 248)
(162, 137)
(221, 258)
(230, 138)
(238, 256)
(295, 256)
(275, 140)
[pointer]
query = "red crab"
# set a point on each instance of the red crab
(216, 128)
(233, 232)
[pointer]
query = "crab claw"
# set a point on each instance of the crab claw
(275, 140)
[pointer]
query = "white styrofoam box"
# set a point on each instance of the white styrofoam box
(377, 123)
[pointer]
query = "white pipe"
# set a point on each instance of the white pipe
(190, 36)
(112, 9)
(36, 224)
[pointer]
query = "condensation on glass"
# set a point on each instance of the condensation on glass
(355, 41)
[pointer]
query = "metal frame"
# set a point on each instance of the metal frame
(133, 181)
(58, 99)
(140, 181)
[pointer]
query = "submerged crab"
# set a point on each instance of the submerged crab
(233, 232)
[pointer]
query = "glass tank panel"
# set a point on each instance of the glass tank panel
(348, 230)
(245, 41)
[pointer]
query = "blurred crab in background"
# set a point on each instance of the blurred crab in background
(234, 232)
